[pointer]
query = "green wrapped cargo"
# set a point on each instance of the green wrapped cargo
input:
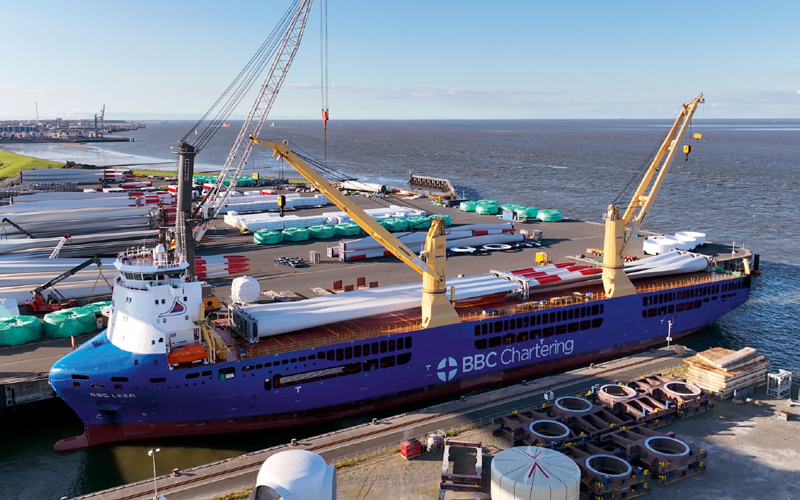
(97, 307)
(18, 330)
(467, 206)
(322, 232)
(527, 212)
(66, 322)
(397, 224)
(486, 209)
(417, 223)
(266, 237)
(347, 229)
(549, 215)
(295, 234)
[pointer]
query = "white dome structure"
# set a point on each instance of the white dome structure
(295, 475)
(534, 473)
(245, 290)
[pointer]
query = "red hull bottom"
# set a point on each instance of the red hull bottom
(110, 433)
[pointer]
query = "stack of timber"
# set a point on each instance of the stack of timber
(723, 371)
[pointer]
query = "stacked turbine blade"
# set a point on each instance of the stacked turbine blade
(221, 265)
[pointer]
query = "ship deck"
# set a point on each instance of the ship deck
(562, 240)
(410, 320)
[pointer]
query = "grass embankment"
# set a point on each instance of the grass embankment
(12, 164)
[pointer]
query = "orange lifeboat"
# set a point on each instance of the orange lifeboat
(187, 354)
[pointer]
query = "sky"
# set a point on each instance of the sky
(409, 59)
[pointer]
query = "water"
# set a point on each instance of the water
(740, 183)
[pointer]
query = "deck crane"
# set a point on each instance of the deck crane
(283, 42)
(618, 234)
(437, 309)
(55, 301)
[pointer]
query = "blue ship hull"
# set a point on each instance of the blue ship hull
(121, 395)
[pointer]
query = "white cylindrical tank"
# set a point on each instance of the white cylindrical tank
(295, 475)
(245, 290)
(685, 242)
(699, 237)
(656, 245)
(534, 473)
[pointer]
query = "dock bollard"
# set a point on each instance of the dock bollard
(293, 442)
(374, 421)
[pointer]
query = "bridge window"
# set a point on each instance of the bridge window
(391, 345)
(357, 351)
(522, 336)
(536, 334)
(348, 353)
(339, 354)
(370, 364)
(387, 362)
(494, 342)
(403, 358)
(586, 324)
(408, 342)
(498, 326)
(573, 327)
(508, 339)
(561, 329)
(597, 322)
(481, 344)
(383, 346)
(548, 332)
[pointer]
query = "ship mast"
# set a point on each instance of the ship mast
(618, 235)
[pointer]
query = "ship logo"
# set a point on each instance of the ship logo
(447, 369)
(177, 308)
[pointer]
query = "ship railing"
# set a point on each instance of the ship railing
(566, 300)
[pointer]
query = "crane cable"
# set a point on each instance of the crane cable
(243, 82)
(323, 61)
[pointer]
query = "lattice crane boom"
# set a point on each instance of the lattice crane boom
(257, 116)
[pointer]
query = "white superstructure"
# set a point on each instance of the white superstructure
(155, 306)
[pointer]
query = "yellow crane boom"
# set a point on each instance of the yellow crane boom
(437, 310)
(615, 282)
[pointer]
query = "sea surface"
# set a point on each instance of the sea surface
(740, 186)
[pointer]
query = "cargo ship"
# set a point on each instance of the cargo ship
(162, 369)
